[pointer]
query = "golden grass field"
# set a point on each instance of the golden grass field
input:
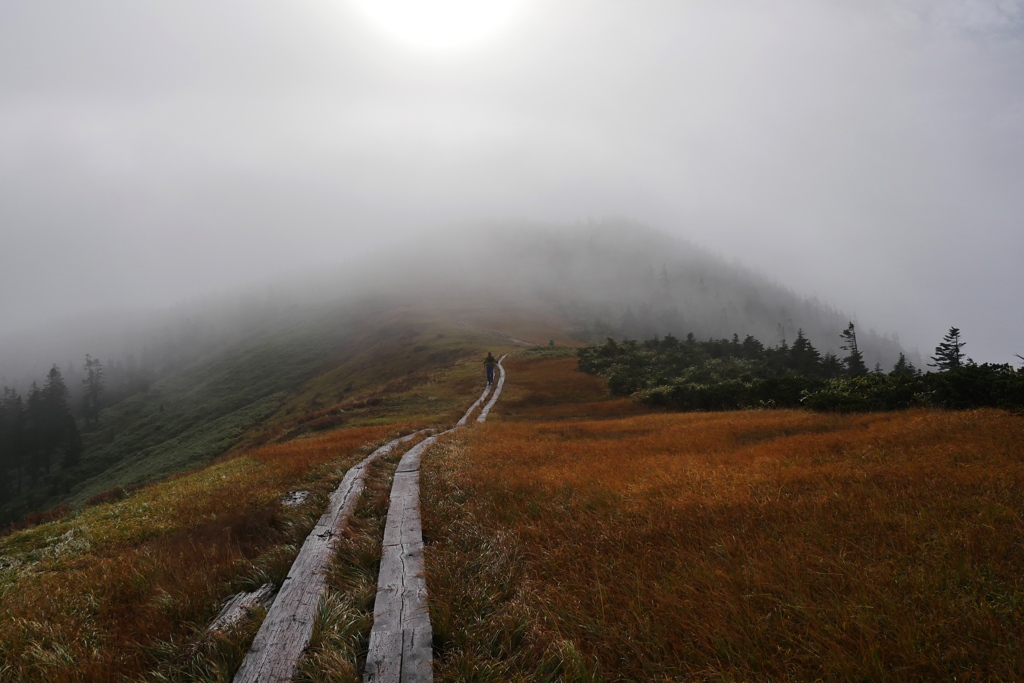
(572, 538)
(124, 589)
(106, 593)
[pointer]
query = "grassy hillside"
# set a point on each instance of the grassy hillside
(189, 416)
(361, 363)
(355, 347)
(124, 589)
(575, 536)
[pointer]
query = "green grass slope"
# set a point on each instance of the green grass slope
(186, 419)
(361, 364)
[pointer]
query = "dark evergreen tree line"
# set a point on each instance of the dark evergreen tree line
(727, 374)
(38, 434)
(669, 358)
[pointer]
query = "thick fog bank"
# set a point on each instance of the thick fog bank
(618, 278)
(605, 278)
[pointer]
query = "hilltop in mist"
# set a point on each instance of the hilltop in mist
(605, 278)
(621, 279)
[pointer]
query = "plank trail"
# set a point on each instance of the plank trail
(401, 638)
(286, 630)
(465, 418)
(497, 393)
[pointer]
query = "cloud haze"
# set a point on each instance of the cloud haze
(867, 153)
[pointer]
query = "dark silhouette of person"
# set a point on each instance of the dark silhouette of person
(490, 362)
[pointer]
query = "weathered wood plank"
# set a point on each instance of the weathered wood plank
(239, 605)
(286, 630)
(497, 391)
(400, 640)
(465, 418)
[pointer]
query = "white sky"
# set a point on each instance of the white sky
(870, 153)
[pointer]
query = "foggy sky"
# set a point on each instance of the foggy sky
(867, 153)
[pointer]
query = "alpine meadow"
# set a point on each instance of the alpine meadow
(439, 341)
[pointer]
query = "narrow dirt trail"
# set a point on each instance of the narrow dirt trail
(399, 615)
(400, 648)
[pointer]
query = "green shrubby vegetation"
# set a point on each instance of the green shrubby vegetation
(132, 426)
(726, 374)
(170, 425)
(546, 352)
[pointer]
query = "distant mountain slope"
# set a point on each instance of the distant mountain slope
(226, 369)
(317, 368)
(615, 278)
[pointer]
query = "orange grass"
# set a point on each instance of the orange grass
(732, 546)
(86, 598)
(555, 389)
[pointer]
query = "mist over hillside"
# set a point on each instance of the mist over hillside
(623, 279)
(183, 385)
(606, 278)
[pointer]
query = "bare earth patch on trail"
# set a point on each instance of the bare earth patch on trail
(759, 545)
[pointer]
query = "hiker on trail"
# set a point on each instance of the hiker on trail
(490, 362)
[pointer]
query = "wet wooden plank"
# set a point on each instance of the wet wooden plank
(287, 628)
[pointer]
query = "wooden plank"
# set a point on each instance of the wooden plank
(497, 391)
(287, 628)
(400, 649)
(240, 605)
(400, 641)
(465, 418)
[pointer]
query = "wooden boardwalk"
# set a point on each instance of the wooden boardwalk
(286, 630)
(465, 418)
(497, 393)
(401, 641)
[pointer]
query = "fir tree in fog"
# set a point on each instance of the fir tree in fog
(948, 355)
(854, 358)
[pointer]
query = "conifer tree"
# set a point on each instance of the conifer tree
(55, 408)
(12, 441)
(92, 385)
(50, 424)
(831, 366)
(36, 458)
(752, 348)
(63, 432)
(855, 359)
(903, 367)
(947, 354)
(804, 358)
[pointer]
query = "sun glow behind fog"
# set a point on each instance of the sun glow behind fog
(440, 24)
